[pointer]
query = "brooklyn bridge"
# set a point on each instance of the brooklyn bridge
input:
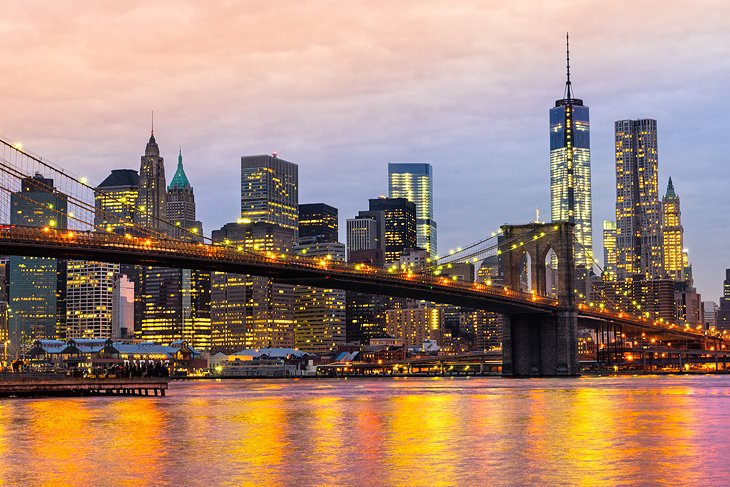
(541, 326)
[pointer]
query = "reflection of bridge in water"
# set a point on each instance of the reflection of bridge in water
(540, 334)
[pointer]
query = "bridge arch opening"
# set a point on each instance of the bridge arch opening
(550, 261)
(527, 282)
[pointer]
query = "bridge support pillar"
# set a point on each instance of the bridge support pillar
(540, 346)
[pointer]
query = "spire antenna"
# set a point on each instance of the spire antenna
(153, 123)
(568, 90)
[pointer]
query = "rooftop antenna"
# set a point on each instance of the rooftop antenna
(153, 122)
(568, 90)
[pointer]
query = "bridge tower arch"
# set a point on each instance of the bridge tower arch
(535, 344)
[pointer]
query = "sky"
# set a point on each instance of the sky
(343, 87)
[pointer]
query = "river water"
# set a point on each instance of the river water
(672, 430)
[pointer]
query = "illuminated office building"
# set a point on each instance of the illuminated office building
(151, 208)
(122, 307)
(414, 182)
(638, 209)
(722, 317)
(269, 190)
(252, 311)
(116, 200)
(175, 303)
(89, 299)
(4, 334)
(570, 170)
(609, 250)
(37, 284)
(365, 232)
(181, 207)
(319, 325)
(318, 221)
(415, 325)
(673, 235)
(176, 306)
(399, 216)
(116, 206)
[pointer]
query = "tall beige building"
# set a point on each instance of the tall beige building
(673, 235)
(415, 325)
(151, 211)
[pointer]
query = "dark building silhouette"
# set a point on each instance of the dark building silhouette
(399, 226)
(318, 221)
(723, 312)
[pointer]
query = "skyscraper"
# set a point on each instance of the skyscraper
(181, 206)
(89, 299)
(263, 309)
(116, 201)
(414, 181)
(400, 225)
(319, 324)
(252, 311)
(570, 170)
(37, 284)
(269, 190)
(319, 221)
(176, 306)
(152, 198)
(673, 235)
(176, 302)
(319, 313)
(609, 250)
(638, 209)
(722, 317)
(365, 232)
(365, 313)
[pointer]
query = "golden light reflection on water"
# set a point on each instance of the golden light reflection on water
(377, 432)
(258, 440)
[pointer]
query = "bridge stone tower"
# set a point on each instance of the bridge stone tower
(541, 344)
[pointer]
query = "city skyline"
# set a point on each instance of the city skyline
(390, 113)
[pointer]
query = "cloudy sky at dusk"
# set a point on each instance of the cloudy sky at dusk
(344, 87)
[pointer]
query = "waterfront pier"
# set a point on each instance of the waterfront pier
(33, 385)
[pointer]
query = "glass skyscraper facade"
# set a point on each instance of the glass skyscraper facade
(414, 182)
(570, 172)
(638, 209)
(37, 284)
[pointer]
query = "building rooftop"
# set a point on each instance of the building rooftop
(180, 179)
(121, 177)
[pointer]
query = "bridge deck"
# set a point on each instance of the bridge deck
(295, 269)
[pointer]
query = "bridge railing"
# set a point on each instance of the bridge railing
(239, 254)
(95, 240)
